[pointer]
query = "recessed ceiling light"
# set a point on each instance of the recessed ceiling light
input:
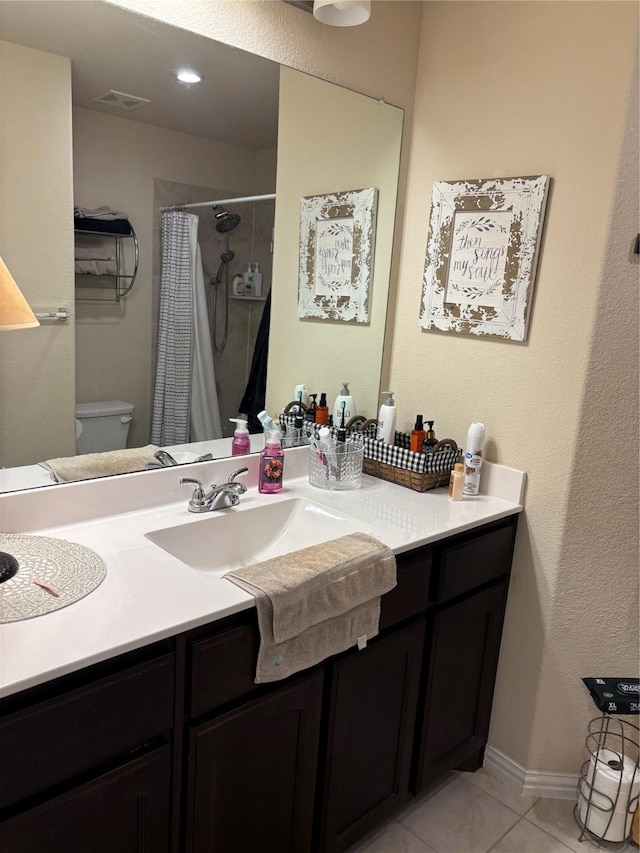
(188, 75)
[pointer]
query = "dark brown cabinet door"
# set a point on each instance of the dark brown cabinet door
(126, 811)
(252, 774)
(371, 729)
(461, 677)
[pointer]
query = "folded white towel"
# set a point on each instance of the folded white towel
(93, 253)
(102, 212)
(96, 268)
(316, 602)
(69, 469)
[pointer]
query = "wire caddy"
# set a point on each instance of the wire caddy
(609, 780)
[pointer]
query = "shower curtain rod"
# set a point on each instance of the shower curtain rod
(267, 197)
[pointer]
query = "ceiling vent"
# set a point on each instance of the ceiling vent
(121, 100)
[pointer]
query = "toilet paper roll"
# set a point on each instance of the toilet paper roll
(613, 782)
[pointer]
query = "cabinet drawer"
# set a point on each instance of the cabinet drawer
(223, 668)
(475, 562)
(411, 596)
(58, 739)
(125, 810)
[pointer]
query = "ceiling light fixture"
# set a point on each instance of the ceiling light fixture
(342, 13)
(188, 75)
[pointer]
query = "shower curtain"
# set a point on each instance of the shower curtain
(185, 404)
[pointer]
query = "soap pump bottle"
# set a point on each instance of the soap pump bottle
(345, 401)
(257, 280)
(430, 440)
(387, 419)
(473, 459)
(322, 410)
(248, 281)
(418, 436)
(310, 414)
(241, 443)
(271, 463)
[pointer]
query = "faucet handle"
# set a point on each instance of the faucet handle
(198, 499)
(236, 474)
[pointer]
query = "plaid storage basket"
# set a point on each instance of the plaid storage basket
(417, 471)
(287, 423)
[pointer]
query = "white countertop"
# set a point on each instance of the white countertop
(149, 595)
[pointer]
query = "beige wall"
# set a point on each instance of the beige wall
(36, 365)
(548, 98)
(329, 151)
(115, 163)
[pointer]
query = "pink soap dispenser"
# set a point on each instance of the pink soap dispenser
(241, 443)
(271, 463)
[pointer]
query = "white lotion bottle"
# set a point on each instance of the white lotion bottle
(344, 400)
(387, 419)
(473, 459)
(248, 285)
(257, 279)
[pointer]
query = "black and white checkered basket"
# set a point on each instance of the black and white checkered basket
(417, 471)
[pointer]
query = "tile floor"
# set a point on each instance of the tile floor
(476, 813)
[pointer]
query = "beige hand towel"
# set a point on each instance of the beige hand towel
(69, 469)
(316, 602)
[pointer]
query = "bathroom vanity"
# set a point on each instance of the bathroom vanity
(171, 746)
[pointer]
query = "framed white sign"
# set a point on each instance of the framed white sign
(482, 253)
(337, 236)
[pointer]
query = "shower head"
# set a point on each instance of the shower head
(225, 257)
(225, 221)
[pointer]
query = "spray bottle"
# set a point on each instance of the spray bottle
(473, 459)
(241, 443)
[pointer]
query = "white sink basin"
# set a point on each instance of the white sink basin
(226, 540)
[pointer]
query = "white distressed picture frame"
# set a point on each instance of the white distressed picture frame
(337, 244)
(482, 253)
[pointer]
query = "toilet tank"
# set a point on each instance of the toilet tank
(105, 426)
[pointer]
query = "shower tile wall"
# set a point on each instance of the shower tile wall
(251, 241)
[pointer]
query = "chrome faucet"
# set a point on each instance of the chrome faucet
(164, 460)
(218, 497)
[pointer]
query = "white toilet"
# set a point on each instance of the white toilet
(103, 426)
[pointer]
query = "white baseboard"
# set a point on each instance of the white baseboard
(531, 783)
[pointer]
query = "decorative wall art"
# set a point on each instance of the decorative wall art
(482, 252)
(337, 235)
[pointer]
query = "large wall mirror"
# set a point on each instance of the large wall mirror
(249, 129)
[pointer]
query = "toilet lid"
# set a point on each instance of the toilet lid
(99, 410)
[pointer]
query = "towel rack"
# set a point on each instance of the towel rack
(123, 282)
(60, 314)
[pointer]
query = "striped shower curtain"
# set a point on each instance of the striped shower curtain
(185, 404)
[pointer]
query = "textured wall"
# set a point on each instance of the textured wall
(544, 100)
(594, 627)
(37, 365)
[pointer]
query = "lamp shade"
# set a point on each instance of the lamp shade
(14, 308)
(342, 13)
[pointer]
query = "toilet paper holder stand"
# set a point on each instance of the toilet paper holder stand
(609, 779)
